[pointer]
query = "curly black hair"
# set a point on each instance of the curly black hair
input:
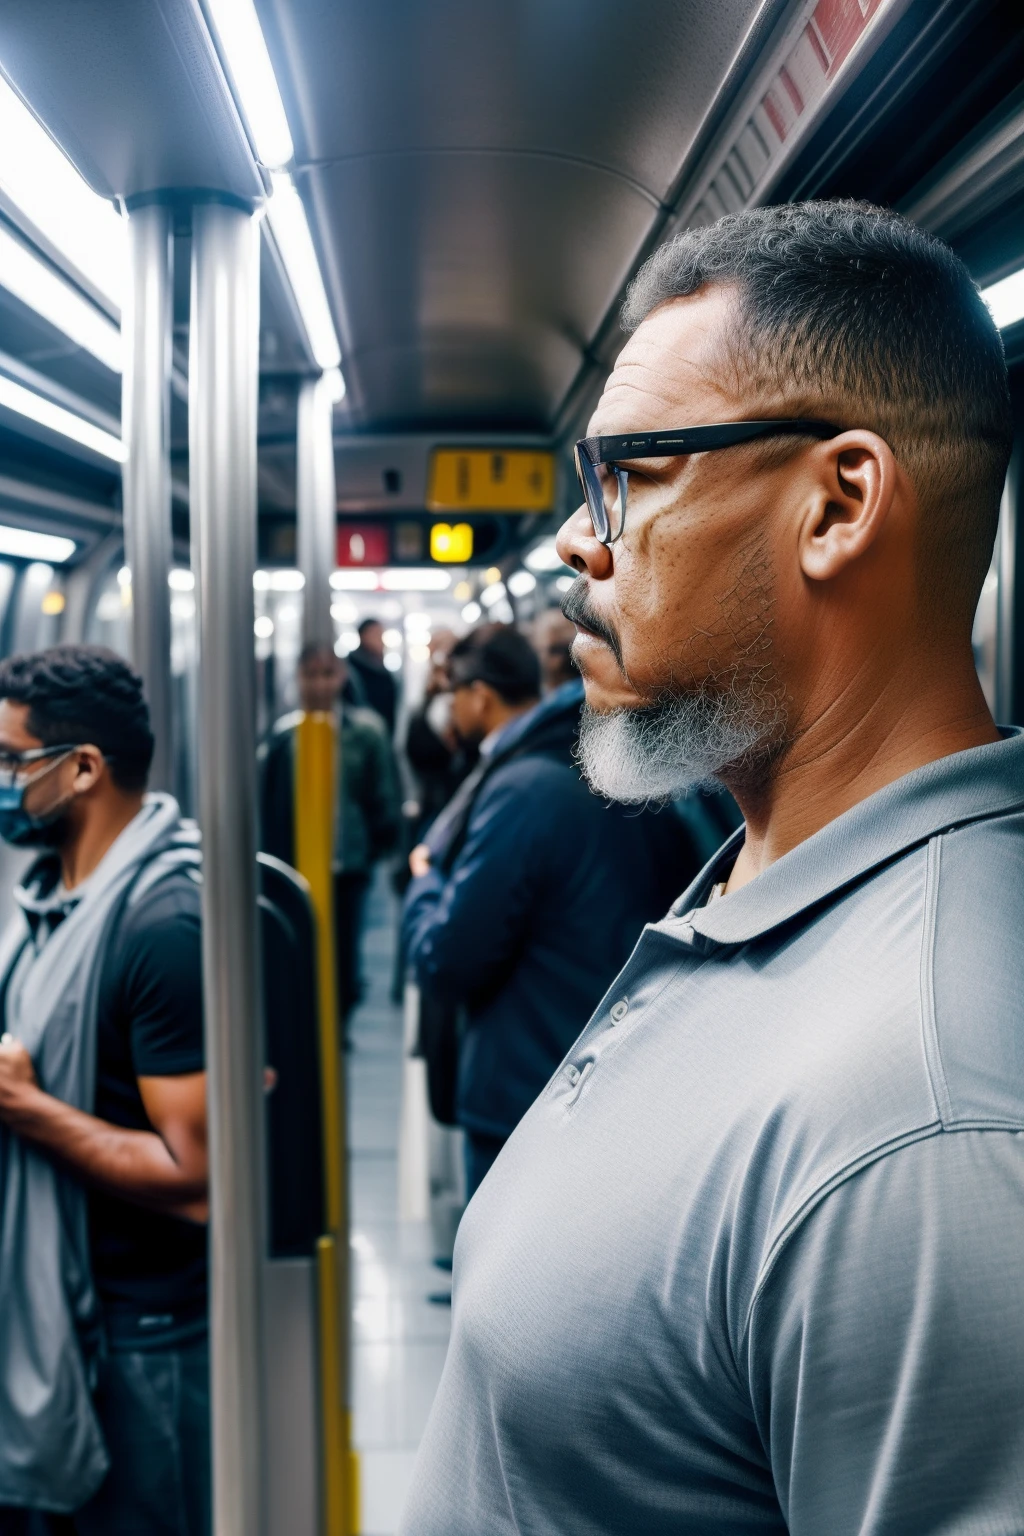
(85, 694)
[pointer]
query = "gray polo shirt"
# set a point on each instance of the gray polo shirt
(754, 1260)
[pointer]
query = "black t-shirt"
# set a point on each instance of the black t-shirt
(149, 1024)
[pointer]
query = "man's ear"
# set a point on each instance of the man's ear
(90, 767)
(856, 481)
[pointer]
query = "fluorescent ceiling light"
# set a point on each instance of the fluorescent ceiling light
(37, 408)
(427, 580)
(493, 594)
(354, 581)
(335, 381)
(1006, 299)
(287, 216)
(521, 582)
(25, 544)
(278, 581)
(44, 185)
(245, 52)
(38, 286)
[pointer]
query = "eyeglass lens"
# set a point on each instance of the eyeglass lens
(604, 486)
(17, 767)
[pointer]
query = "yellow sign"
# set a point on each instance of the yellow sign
(491, 480)
(453, 545)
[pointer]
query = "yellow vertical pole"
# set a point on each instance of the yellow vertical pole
(316, 778)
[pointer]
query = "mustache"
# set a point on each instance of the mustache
(578, 609)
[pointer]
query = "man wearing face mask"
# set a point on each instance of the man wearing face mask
(104, 1398)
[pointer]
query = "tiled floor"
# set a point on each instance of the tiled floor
(399, 1338)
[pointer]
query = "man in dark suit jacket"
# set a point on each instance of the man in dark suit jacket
(369, 681)
(529, 892)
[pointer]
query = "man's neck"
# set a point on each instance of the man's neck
(852, 748)
(95, 836)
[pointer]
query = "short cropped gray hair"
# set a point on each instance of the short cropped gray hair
(863, 318)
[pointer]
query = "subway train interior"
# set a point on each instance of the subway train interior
(303, 305)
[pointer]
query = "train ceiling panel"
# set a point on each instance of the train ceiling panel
(481, 179)
(471, 284)
(90, 71)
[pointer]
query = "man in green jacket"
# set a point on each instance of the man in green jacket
(368, 807)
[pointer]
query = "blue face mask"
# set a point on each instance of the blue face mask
(23, 830)
(19, 827)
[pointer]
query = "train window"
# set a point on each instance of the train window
(989, 638)
(7, 575)
(109, 621)
(38, 605)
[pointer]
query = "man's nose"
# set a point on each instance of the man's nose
(579, 546)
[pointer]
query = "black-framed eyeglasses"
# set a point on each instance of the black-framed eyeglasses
(604, 480)
(12, 764)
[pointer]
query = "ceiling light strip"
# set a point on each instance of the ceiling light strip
(290, 227)
(40, 180)
(36, 284)
(26, 544)
(25, 402)
(245, 51)
(1005, 299)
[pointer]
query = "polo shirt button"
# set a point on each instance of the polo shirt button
(619, 1010)
(573, 1074)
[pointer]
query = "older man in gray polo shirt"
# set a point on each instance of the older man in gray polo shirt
(754, 1261)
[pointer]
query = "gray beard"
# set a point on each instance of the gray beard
(661, 751)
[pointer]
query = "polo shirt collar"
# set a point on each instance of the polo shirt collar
(964, 787)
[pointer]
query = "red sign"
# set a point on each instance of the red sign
(363, 544)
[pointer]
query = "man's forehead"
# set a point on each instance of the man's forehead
(674, 370)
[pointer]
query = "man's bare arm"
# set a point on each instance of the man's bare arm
(165, 1169)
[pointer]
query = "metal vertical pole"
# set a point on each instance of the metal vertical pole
(146, 478)
(317, 508)
(317, 746)
(223, 381)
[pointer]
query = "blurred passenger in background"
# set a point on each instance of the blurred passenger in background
(529, 892)
(438, 759)
(553, 636)
(104, 1361)
(368, 681)
(368, 810)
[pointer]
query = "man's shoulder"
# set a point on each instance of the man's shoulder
(163, 909)
(906, 1020)
(529, 773)
(278, 739)
(974, 972)
(359, 721)
(285, 725)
